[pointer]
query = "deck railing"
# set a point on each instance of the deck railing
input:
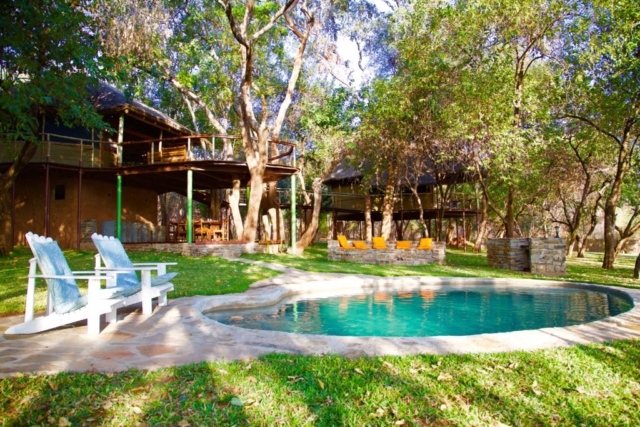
(458, 201)
(92, 153)
(407, 201)
(62, 149)
(206, 147)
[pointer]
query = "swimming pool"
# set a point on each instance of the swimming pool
(431, 311)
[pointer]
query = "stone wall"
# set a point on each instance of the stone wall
(394, 256)
(222, 250)
(545, 257)
(509, 254)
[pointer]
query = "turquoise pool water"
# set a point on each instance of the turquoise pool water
(432, 312)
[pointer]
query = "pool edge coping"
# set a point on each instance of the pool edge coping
(622, 326)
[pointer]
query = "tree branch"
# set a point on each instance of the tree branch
(237, 33)
(288, 6)
(293, 79)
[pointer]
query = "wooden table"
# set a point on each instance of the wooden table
(203, 229)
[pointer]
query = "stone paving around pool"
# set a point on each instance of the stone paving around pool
(180, 334)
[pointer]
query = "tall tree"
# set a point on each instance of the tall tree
(603, 57)
(576, 179)
(492, 59)
(248, 35)
(327, 126)
(228, 59)
(48, 58)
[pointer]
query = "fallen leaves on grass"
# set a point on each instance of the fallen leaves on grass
(445, 377)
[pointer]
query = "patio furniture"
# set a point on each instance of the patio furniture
(359, 244)
(65, 303)
(181, 231)
(403, 244)
(344, 243)
(115, 258)
(425, 243)
(219, 229)
(201, 230)
(379, 243)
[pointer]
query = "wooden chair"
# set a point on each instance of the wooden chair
(203, 232)
(115, 258)
(65, 304)
(181, 231)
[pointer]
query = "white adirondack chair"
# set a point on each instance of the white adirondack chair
(65, 304)
(115, 258)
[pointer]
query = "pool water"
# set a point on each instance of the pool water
(432, 312)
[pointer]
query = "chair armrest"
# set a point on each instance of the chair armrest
(161, 267)
(106, 276)
(142, 264)
(125, 269)
(87, 272)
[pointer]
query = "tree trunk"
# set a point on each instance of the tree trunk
(253, 208)
(266, 228)
(451, 228)
(214, 203)
(609, 232)
(367, 218)
(274, 212)
(593, 221)
(388, 203)
(234, 203)
(636, 270)
(164, 216)
(6, 238)
(573, 238)
(7, 180)
(509, 221)
(482, 227)
(307, 237)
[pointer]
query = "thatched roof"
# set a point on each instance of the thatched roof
(348, 172)
(110, 100)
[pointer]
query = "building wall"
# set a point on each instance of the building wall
(98, 203)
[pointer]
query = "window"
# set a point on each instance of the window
(58, 192)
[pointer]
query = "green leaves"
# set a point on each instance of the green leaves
(49, 57)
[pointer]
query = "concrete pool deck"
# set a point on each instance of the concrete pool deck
(180, 334)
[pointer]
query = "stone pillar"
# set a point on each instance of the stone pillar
(548, 257)
(509, 254)
(544, 257)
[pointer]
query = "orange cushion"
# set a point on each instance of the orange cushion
(403, 244)
(359, 244)
(343, 242)
(378, 243)
(425, 243)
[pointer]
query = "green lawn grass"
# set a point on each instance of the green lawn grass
(595, 385)
(460, 264)
(198, 276)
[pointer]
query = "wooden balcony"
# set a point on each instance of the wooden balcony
(94, 153)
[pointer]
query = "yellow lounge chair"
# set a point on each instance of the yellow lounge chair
(359, 244)
(344, 244)
(379, 243)
(403, 244)
(425, 243)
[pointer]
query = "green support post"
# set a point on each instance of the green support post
(189, 206)
(294, 229)
(119, 208)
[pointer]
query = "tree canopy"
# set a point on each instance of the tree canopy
(538, 101)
